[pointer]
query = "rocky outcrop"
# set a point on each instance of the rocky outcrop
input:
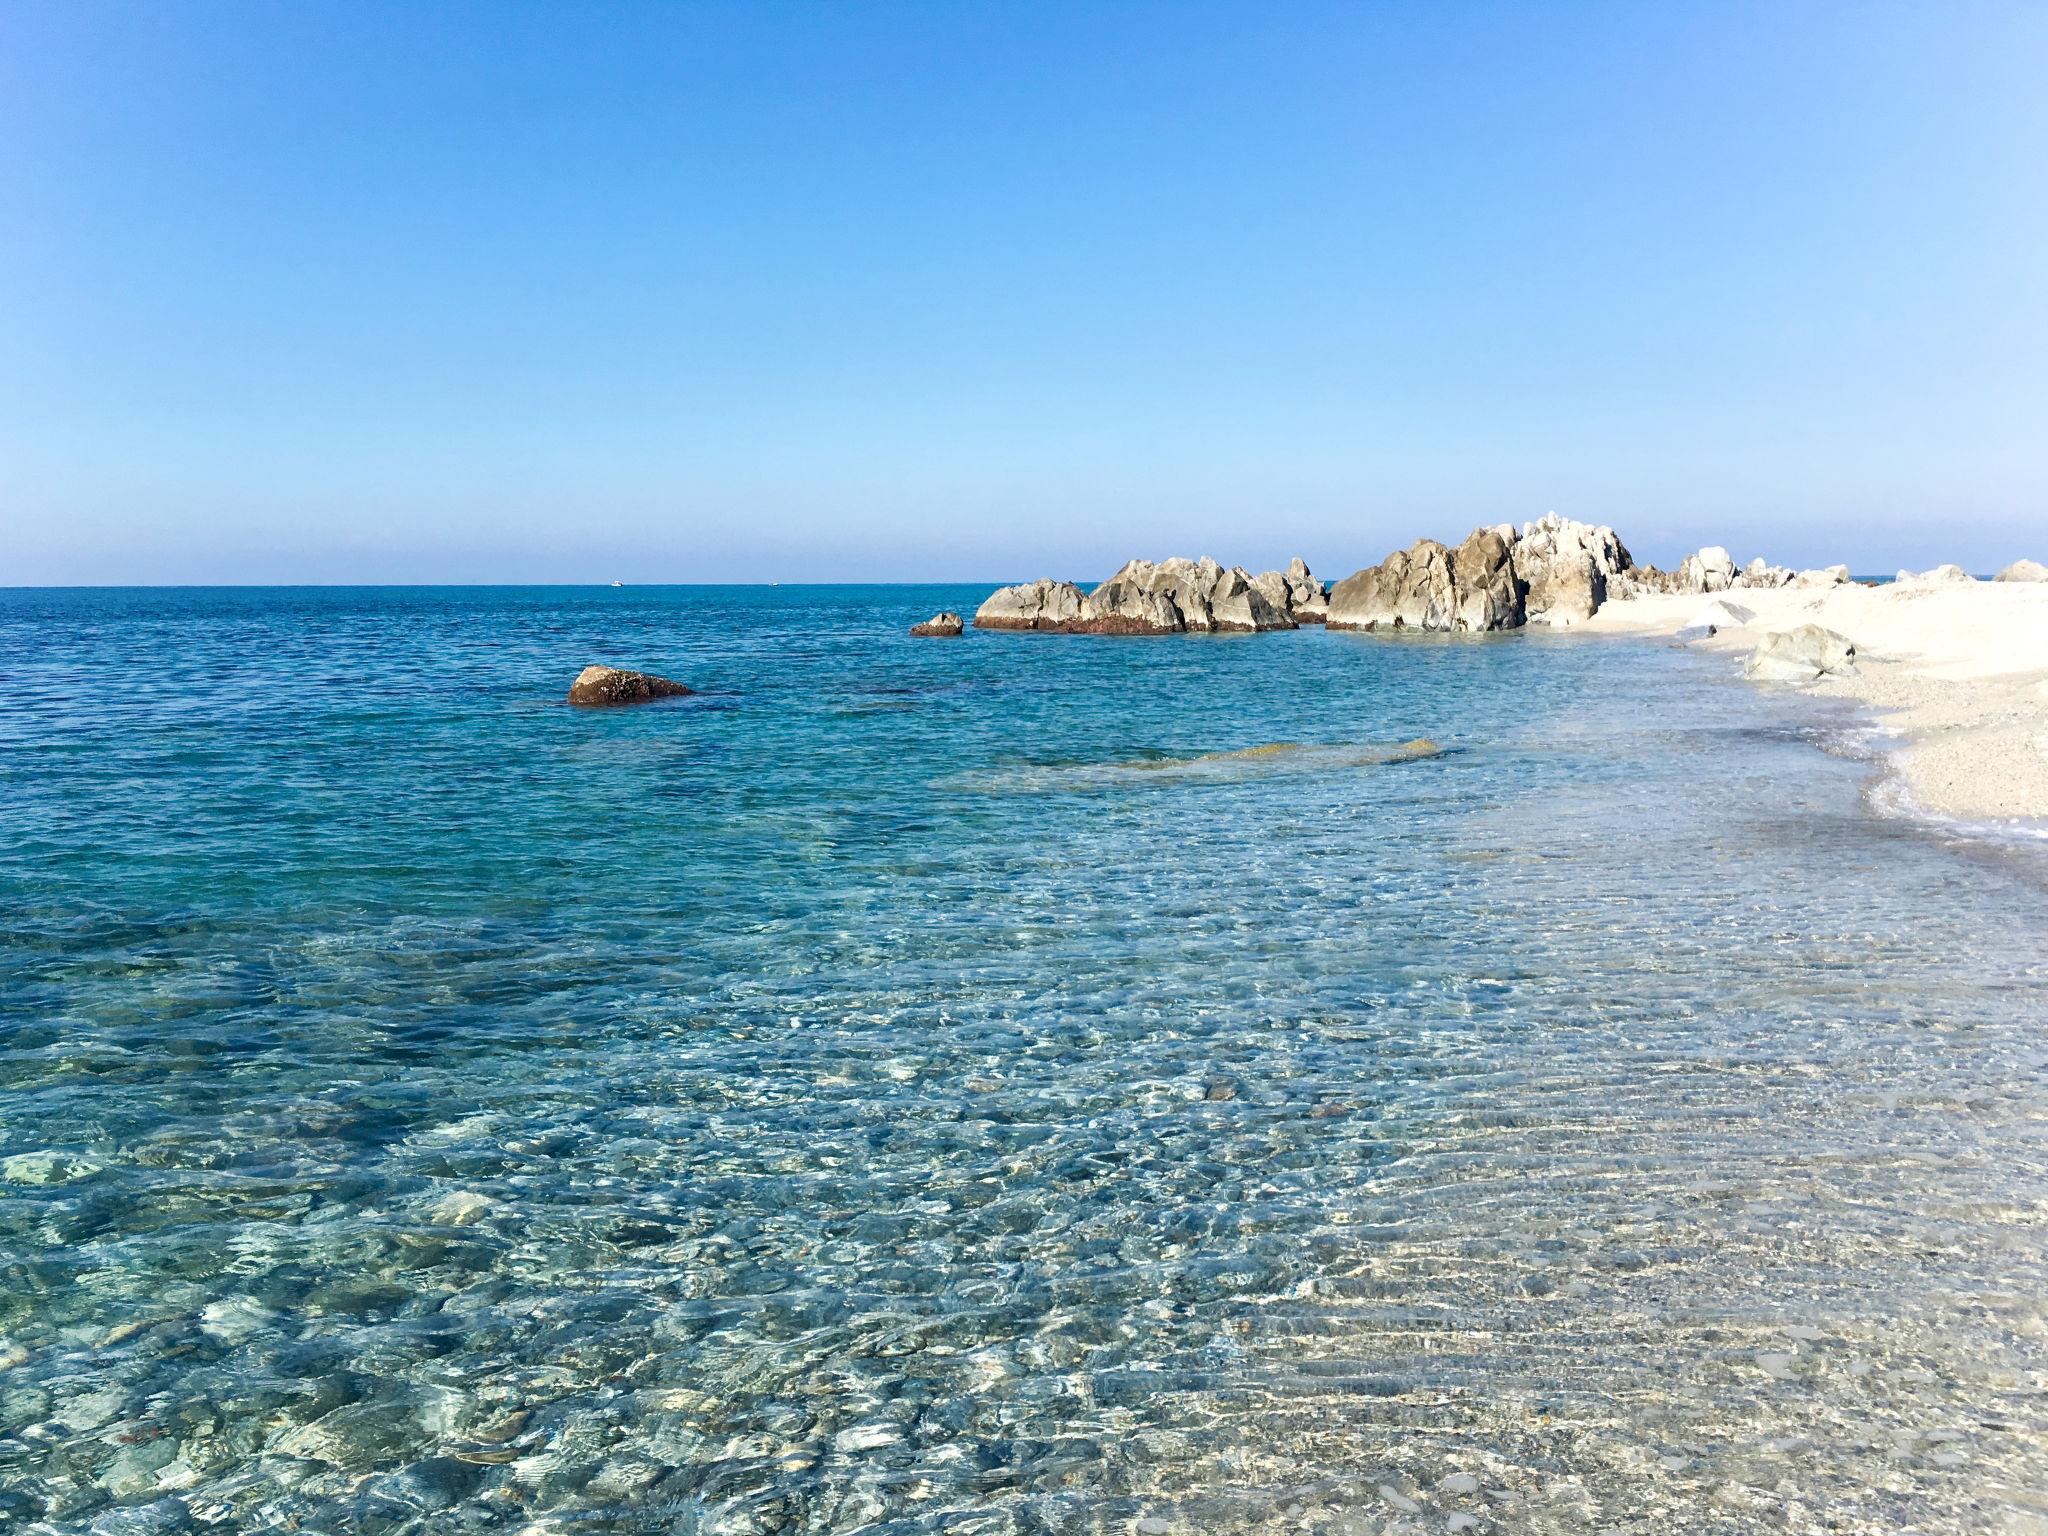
(1181, 594)
(2023, 570)
(1159, 598)
(1308, 599)
(1489, 593)
(1711, 570)
(1554, 571)
(1295, 592)
(1939, 576)
(1828, 576)
(1642, 581)
(1802, 655)
(942, 626)
(1042, 604)
(1429, 587)
(609, 685)
(1565, 568)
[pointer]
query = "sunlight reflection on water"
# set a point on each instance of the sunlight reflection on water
(429, 1108)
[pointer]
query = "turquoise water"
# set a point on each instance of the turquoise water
(922, 1085)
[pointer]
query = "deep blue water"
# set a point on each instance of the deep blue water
(957, 1085)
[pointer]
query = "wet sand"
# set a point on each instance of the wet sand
(1959, 670)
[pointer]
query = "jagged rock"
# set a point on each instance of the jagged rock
(1711, 570)
(1941, 574)
(1294, 592)
(1411, 589)
(1642, 581)
(1180, 594)
(1146, 598)
(939, 626)
(1133, 602)
(1427, 586)
(1761, 573)
(1042, 604)
(1272, 586)
(1310, 598)
(1565, 568)
(609, 685)
(1488, 592)
(1802, 655)
(2023, 570)
(1232, 600)
(1827, 576)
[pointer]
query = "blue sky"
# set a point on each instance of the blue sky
(365, 292)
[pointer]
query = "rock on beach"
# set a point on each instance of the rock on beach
(1802, 655)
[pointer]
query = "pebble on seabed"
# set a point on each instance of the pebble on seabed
(459, 1208)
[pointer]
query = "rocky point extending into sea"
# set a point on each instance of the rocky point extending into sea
(1553, 571)
(1959, 666)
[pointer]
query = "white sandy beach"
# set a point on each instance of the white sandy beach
(1960, 669)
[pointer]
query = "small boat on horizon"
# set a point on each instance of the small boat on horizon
(618, 583)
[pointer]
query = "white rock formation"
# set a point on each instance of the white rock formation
(1830, 576)
(1802, 655)
(1711, 570)
(1565, 568)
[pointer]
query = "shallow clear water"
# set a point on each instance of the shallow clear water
(920, 1085)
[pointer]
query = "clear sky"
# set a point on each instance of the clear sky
(802, 291)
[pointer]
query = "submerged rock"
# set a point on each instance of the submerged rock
(940, 625)
(609, 685)
(2023, 570)
(1802, 655)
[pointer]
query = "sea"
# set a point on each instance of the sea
(1334, 1083)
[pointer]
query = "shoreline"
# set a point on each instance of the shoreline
(1955, 673)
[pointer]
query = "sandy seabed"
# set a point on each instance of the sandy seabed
(1958, 669)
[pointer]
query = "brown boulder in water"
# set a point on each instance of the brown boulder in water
(609, 685)
(940, 625)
